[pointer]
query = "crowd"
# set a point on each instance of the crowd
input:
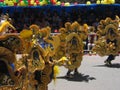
(56, 18)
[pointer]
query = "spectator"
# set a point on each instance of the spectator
(51, 17)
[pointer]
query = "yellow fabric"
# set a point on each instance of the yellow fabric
(25, 34)
(56, 72)
(3, 26)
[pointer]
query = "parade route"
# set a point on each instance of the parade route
(94, 75)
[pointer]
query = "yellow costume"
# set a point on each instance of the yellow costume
(68, 43)
(74, 46)
(9, 45)
(4, 24)
(108, 41)
(40, 68)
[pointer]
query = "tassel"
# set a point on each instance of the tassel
(56, 72)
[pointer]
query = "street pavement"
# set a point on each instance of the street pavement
(94, 75)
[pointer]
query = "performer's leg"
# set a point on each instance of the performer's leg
(68, 73)
(109, 59)
(76, 71)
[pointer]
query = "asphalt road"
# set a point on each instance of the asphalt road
(94, 75)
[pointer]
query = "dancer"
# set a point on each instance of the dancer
(108, 39)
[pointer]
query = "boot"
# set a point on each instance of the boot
(109, 59)
(76, 71)
(68, 75)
